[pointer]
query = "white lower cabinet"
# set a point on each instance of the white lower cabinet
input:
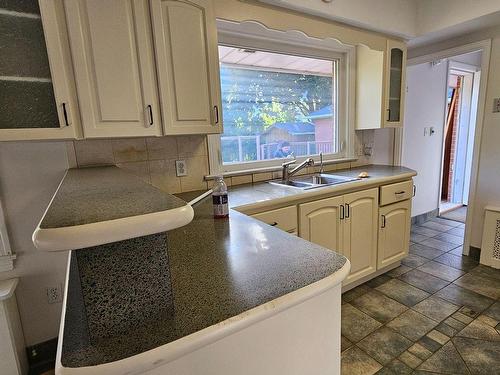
(354, 225)
(394, 232)
(282, 218)
(321, 222)
(346, 224)
(360, 233)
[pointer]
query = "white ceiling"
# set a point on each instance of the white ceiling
(418, 21)
(275, 61)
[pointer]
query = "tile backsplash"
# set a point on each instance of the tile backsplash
(153, 160)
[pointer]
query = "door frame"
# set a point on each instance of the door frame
(455, 67)
(483, 46)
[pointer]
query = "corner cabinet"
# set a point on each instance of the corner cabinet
(395, 84)
(113, 57)
(185, 38)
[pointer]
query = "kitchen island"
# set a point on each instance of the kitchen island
(216, 296)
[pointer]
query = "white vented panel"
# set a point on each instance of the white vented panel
(490, 247)
(496, 244)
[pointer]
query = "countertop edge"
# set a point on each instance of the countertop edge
(305, 195)
(102, 232)
(171, 351)
(7, 288)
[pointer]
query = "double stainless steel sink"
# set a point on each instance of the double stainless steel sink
(313, 181)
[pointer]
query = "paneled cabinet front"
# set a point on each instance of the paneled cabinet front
(113, 57)
(187, 61)
(360, 232)
(346, 224)
(394, 232)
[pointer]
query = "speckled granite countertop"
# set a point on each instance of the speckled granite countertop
(90, 195)
(218, 269)
(261, 195)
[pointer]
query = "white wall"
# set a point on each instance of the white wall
(425, 107)
(390, 16)
(434, 15)
(488, 181)
(29, 175)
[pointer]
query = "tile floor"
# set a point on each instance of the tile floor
(438, 313)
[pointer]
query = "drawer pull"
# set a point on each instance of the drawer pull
(400, 192)
(273, 224)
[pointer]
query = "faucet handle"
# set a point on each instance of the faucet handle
(287, 163)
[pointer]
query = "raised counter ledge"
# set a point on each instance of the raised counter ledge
(98, 205)
(225, 273)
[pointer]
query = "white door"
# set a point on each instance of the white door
(394, 232)
(187, 60)
(321, 222)
(360, 232)
(113, 58)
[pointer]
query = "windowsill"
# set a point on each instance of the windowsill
(276, 168)
(7, 262)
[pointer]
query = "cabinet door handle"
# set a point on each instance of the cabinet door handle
(273, 224)
(65, 113)
(414, 190)
(216, 112)
(383, 221)
(348, 210)
(150, 110)
(341, 212)
(388, 114)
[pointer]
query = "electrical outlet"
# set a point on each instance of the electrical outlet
(54, 294)
(180, 168)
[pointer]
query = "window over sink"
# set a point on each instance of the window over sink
(283, 96)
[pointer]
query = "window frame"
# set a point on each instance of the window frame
(254, 35)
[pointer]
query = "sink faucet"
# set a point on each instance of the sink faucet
(287, 173)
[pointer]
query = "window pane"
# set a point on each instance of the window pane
(276, 105)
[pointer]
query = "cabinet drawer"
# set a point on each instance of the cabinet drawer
(396, 192)
(283, 218)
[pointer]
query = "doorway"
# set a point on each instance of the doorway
(458, 136)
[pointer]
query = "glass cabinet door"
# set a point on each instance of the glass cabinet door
(395, 80)
(395, 83)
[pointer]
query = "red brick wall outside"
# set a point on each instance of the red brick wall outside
(454, 136)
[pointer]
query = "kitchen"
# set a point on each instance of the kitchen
(117, 87)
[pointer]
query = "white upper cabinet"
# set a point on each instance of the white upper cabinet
(34, 105)
(380, 86)
(113, 57)
(185, 37)
(395, 85)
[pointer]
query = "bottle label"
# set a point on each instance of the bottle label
(221, 208)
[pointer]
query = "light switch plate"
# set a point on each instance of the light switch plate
(496, 105)
(180, 168)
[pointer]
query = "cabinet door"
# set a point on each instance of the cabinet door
(38, 103)
(321, 222)
(188, 65)
(395, 85)
(394, 232)
(360, 232)
(113, 58)
(282, 218)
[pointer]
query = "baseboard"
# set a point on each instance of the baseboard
(475, 253)
(42, 357)
(422, 218)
